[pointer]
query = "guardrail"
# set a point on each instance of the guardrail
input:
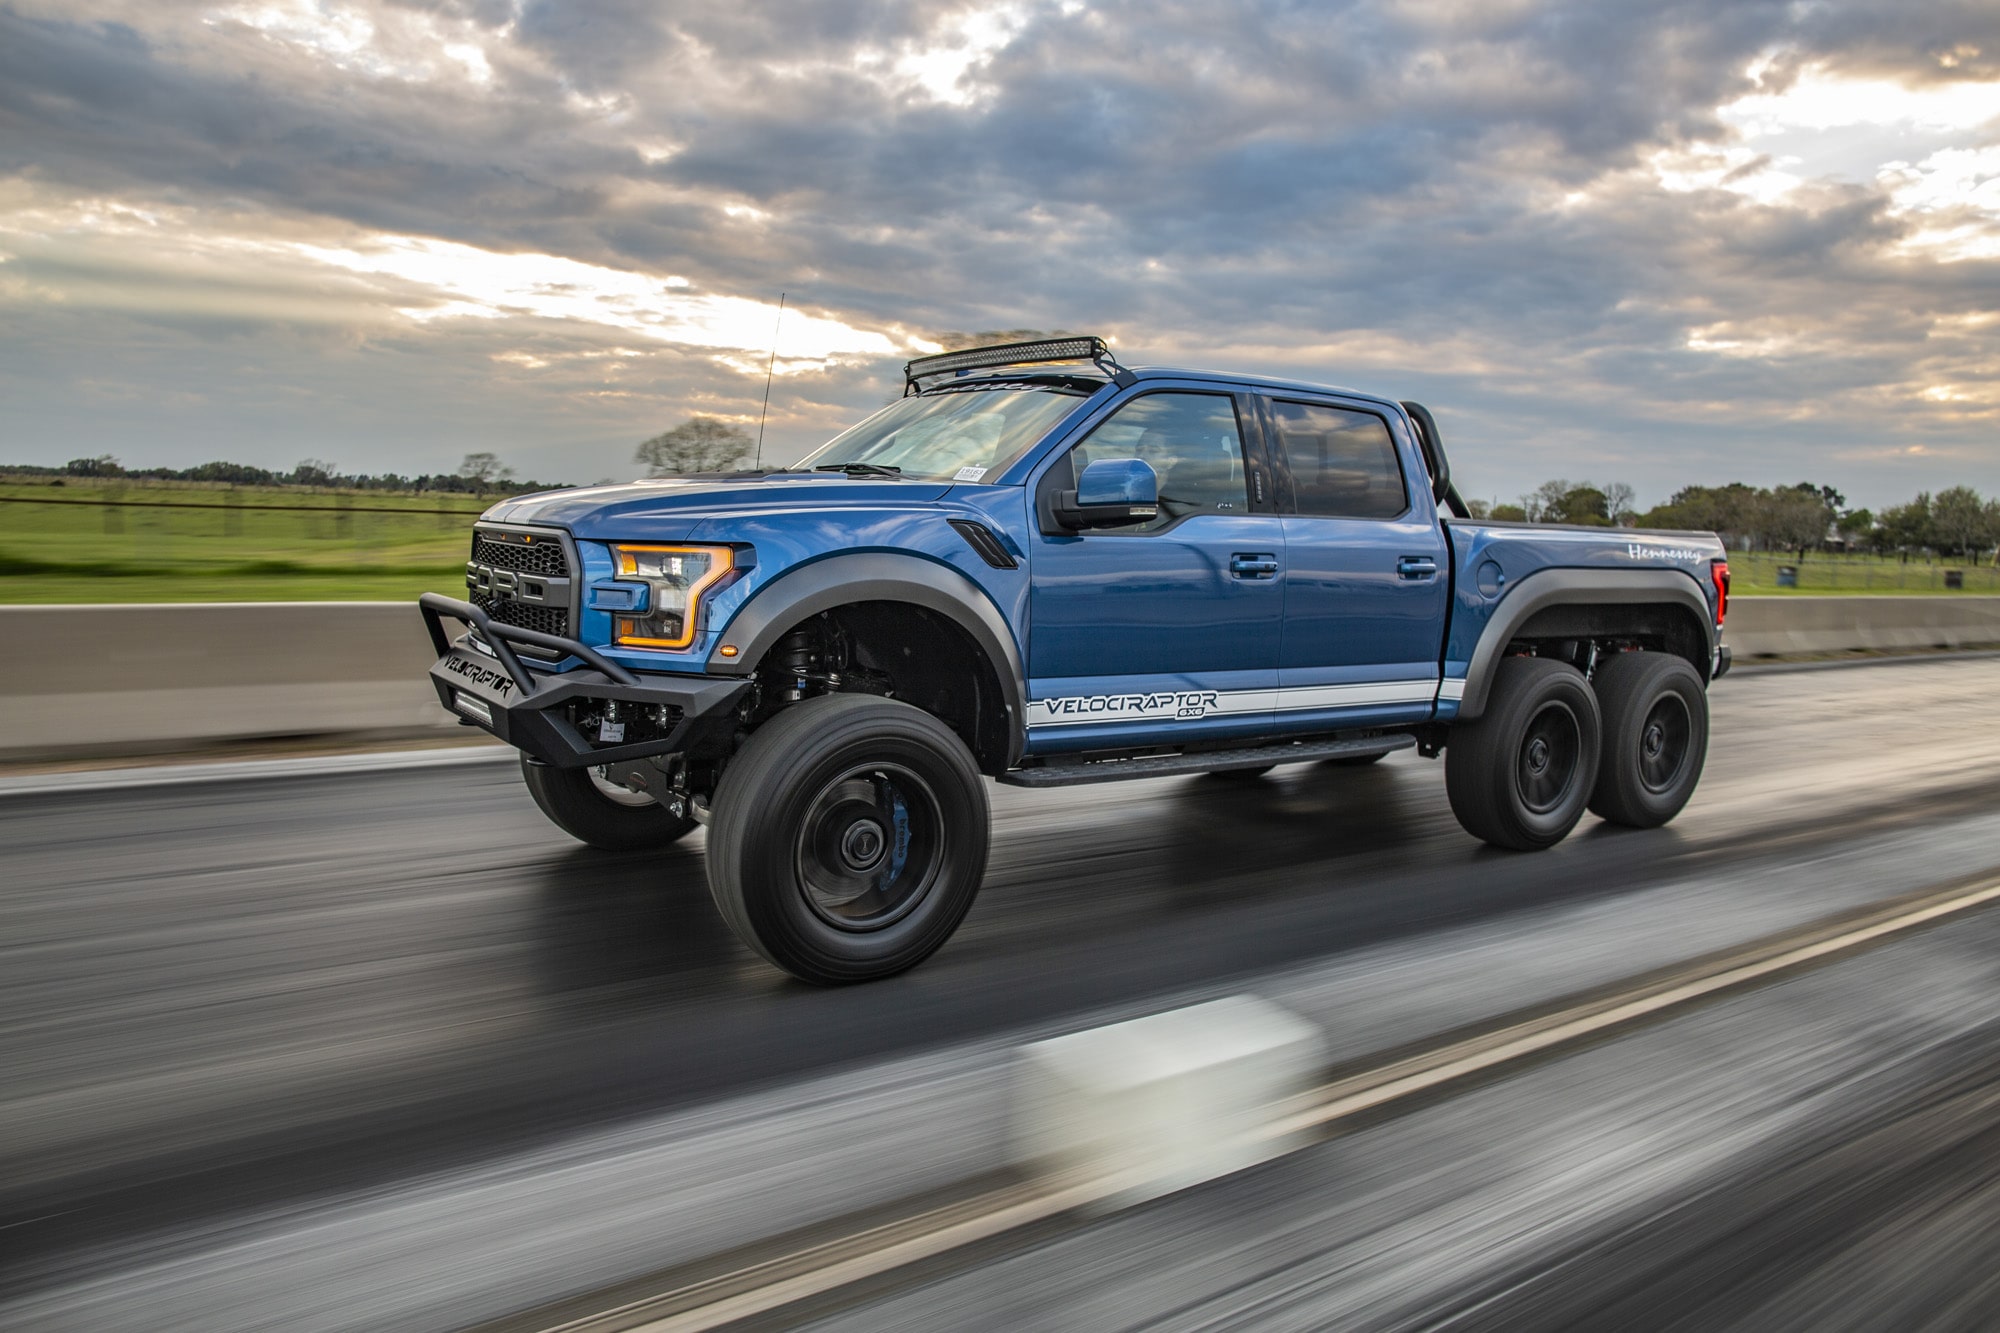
(140, 679)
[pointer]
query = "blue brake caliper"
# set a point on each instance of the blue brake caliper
(899, 816)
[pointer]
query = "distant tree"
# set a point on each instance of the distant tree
(236, 474)
(1508, 514)
(1907, 527)
(1541, 503)
(1792, 518)
(1857, 527)
(1565, 501)
(1479, 508)
(699, 444)
(1962, 522)
(104, 465)
(1729, 511)
(484, 470)
(1618, 504)
(312, 472)
(1582, 504)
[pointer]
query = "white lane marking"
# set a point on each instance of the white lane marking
(305, 766)
(1497, 1049)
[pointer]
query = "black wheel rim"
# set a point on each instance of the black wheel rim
(1545, 768)
(1664, 742)
(870, 847)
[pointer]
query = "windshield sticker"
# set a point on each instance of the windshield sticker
(969, 474)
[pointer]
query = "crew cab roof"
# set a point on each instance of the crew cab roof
(1080, 374)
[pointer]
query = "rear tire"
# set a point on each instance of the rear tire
(577, 802)
(1519, 775)
(1655, 738)
(849, 838)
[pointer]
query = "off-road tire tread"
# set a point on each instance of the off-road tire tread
(1479, 757)
(1626, 686)
(754, 783)
(575, 806)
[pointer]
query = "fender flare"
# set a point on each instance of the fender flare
(1579, 587)
(879, 576)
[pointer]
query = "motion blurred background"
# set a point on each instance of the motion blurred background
(291, 290)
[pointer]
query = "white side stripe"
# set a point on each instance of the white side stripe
(1189, 705)
(1299, 697)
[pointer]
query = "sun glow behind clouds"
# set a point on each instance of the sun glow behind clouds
(471, 283)
(411, 45)
(1825, 126)
(218, 261)
(1822, 100)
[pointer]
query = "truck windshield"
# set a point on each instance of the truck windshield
(956, 435)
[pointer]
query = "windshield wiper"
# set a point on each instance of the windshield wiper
(861, 469)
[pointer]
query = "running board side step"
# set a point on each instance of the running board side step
(1206, 761)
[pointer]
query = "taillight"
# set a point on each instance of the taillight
(1719, 571)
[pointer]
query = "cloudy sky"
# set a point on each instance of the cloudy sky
(1655, 242)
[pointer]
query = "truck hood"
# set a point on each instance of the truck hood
(671, 508)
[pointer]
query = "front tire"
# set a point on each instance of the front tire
(1519, 775)
(849, 838)
(583, 804)
(1655, 738)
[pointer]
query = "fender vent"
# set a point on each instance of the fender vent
(981, 539)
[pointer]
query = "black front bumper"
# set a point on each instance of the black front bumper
(489, 686)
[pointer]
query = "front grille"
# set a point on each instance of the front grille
(542, 556)
(543, 619)
(523, 553)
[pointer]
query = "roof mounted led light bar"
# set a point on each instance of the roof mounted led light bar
(1092, 349)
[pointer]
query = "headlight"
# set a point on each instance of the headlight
(677, 575)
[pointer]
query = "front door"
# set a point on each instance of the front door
(1167, 631)
(1366, 571)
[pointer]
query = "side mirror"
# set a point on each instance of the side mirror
(1111, 493)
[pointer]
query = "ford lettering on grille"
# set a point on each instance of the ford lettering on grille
(514, 586)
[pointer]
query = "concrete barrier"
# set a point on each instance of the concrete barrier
(139, 679)
(1768, 626)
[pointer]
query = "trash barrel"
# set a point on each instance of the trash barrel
(1954, 578)
(1788, 576)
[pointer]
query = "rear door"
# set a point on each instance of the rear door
(1167, 631)
(1366, 567)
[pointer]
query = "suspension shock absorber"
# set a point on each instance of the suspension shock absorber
(797, 663)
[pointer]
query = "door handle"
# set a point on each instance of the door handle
(1417, 567)
(1250, 565)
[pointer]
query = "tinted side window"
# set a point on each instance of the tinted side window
(1189, 439)
(1343, 464)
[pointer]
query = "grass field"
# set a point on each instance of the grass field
(184, 542)
(176, 542)
(1821, 573)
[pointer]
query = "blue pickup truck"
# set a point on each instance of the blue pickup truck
(1043, 567)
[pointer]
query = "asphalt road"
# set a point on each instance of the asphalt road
(223, 996)
(1816, 1155)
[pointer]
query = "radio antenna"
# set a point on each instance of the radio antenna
(769, 366)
